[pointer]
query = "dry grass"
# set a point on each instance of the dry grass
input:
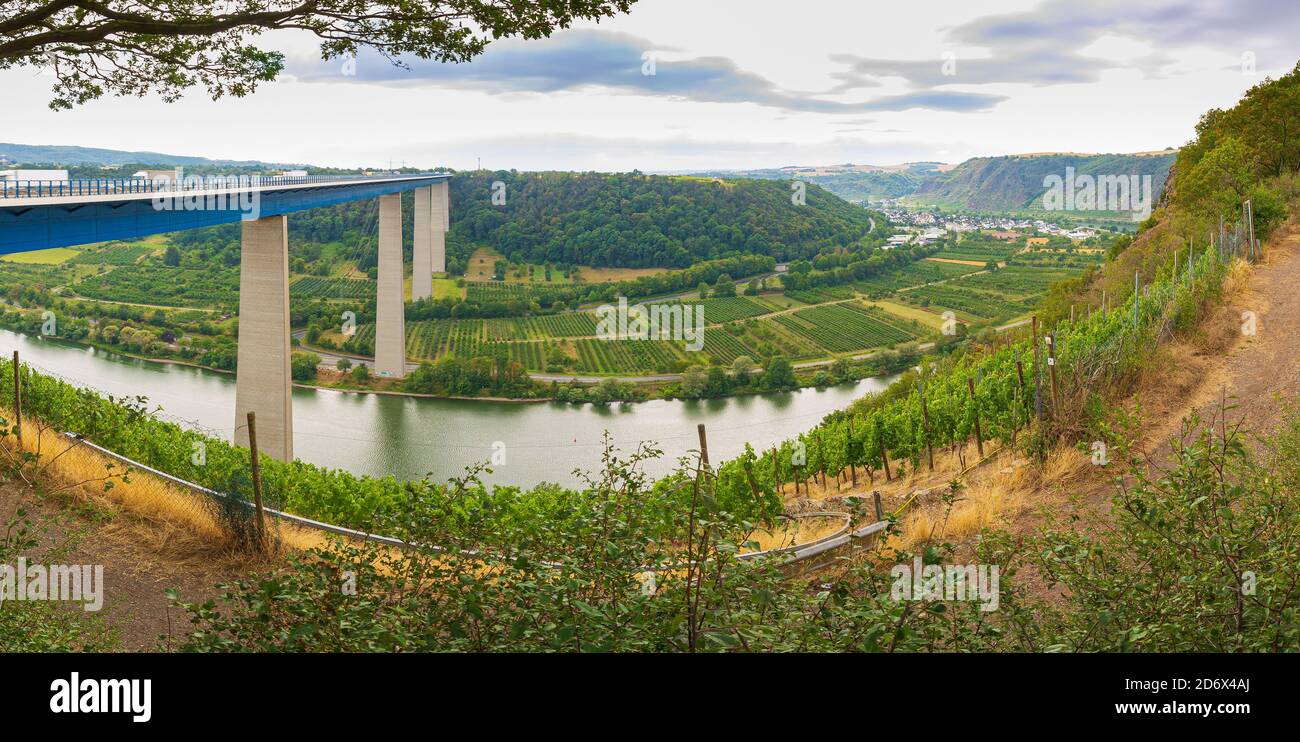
(991, 497)
(172, 522)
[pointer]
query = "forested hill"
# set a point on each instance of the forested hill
(848, 181)
(1015, 182)
(634, 220)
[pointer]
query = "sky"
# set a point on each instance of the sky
(679, 85)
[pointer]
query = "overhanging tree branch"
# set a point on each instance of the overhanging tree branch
(134, 47)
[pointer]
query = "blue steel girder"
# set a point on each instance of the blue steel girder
(36, 226)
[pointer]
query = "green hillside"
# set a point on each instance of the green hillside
(850, 182)
(1015, 182)
(641, 221)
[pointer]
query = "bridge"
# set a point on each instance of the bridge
(36, 215)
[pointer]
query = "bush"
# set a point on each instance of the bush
(303, 366)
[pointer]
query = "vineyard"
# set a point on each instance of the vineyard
(332, 288)
(628, 356)
(939, 407)
(968, 303)
(495, 291)
(116, 253)
(727, 309)
(172, 287)
(821, 294)
(916, 274)
(799, 324)
(842, 328)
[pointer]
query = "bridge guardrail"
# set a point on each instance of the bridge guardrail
(20, 189)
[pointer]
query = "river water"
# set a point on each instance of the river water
(410, 437)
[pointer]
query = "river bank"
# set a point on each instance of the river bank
(409, 437)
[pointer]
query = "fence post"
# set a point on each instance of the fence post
(1017, 394)
(880, 511)
(704, 448)
(776, 473)
(1137, 295)
(1250, 226)
(853, 469)
(1038, 379)
(1051, 369)
(925, 412)
(18, 405)
(821, 448)
(257, 480)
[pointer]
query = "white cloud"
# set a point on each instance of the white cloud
(740, 83)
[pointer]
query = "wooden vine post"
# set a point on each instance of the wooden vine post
(925, 412)
(257, 480)
(704, 448)
(979, 434)
(776, 473)
(18, 404)
(1051, 367)
(853, 469)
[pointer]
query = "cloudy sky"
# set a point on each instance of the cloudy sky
(702, 84)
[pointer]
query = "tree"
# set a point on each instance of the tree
(304, 366)
(724, 286)
(741, 368)
(343, 364)
(126, 47)
(171, 256)
(694, 383)
(779, 374)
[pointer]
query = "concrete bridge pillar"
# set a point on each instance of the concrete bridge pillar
(440, 198)
(422, 254)
(390, 310)
(263, 382)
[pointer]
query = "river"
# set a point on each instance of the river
(410, 437)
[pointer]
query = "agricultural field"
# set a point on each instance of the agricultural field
(981, 253)
(115, 253)
(482, 266)
(51, 256)
(842, 328)
(164, 286)
(729, 309)
(332, 288)
(821, 295)
(904, 306)
(493, 291)
(907, 313)
(1016, 281)
(916, 274)
(629, 356)
(969, 304)
(446, 288)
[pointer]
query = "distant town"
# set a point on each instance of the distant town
(919, 227)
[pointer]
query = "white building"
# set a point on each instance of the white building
(155, 175)
(9, 175)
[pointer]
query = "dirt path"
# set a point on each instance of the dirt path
(1253, 370)
(1221, 363)
(141, 557)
